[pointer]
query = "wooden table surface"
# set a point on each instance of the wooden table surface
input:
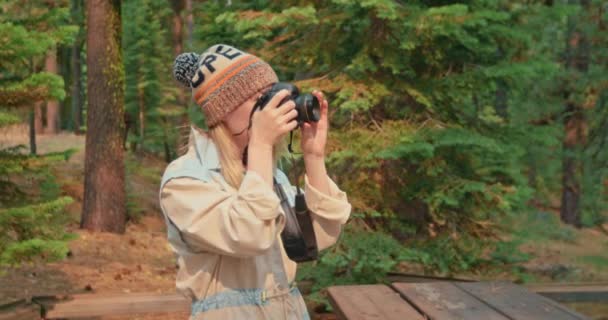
(445, 301)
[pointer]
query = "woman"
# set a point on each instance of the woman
(223, 217)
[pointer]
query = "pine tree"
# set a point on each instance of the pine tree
(151, 96)
(29, 30)
(584, 81)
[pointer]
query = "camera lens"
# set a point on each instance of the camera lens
(308, 108)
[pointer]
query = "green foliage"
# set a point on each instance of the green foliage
(507, 252)
(13, 161)
(538, 226)
(36, 87)
(461, 176)
(600, 262)
(150, 94)
(595, 173)
(34, 231)
(447, 254)
(522, 276)
(48, 250)
(364, 257)
(357, 258)
(8, 118)
(29, 30)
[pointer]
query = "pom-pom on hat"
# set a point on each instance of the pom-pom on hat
(222, 78)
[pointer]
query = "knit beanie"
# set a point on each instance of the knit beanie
(222, 78)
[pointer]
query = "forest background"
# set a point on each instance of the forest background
(470, 136)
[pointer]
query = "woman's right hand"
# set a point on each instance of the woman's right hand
(272, 122)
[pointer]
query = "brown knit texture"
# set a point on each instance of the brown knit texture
(236, 90)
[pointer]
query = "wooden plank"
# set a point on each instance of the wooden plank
(444, 301)
(370, 302)
(572, 292)
(18, 310)
(517, 302)
(408, 277)
(119, 304)
(562, 292)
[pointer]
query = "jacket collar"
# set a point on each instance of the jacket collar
(204, 148)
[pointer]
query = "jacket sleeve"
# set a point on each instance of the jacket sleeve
(241, 224)
(329, 212)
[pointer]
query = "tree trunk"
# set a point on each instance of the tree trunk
(33, 132)
(178, 25)
(189, 23)
(76, 88)
(166, 123)
(38, 123)
(142, 120)
(128, 124)
(64, 60)
(104, 207)
(178, 48)
(577, 61)
(574, 139)
(52, 106)
(501, 98)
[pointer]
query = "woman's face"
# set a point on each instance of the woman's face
(237, 121)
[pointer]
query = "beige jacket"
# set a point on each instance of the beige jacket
(231, 259)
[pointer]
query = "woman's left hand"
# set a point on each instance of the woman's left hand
(314, 134)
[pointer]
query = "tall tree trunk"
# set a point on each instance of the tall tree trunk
(501, 98)
(189, 23)
(38, 115)
(52, 106)
(33, 132)
(178, 48)
(104, 207)
(76, 89)
(128, 124)
(168, 154)
(178, 25)
(64, 60)
(577, 60)
(142, 120)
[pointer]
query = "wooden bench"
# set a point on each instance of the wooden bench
(445, 301)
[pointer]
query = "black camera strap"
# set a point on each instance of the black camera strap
(298, 235)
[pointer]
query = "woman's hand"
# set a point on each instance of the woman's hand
(314, 134)
(267, 127)
(272, 122)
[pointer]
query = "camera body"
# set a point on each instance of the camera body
(307, 105)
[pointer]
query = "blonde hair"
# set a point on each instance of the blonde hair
(231, 162)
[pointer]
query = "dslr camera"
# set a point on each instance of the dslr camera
(307, 105)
